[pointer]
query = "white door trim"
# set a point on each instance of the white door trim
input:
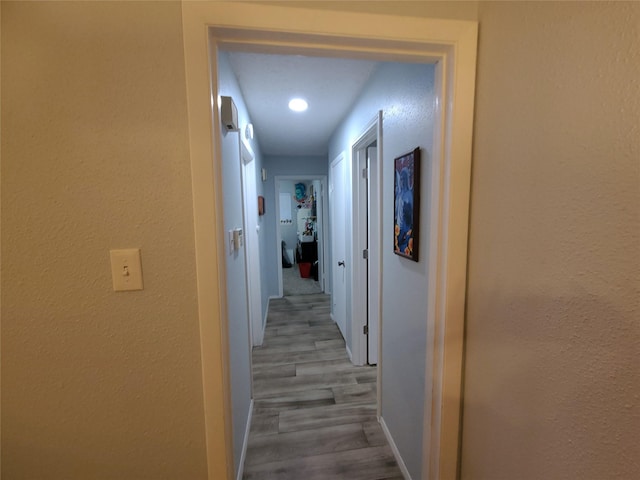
(359, 278)
(452, 45)
(342, 323)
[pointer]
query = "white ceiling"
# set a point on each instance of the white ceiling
(268, 82)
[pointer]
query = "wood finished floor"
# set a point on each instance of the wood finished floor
(314, 412)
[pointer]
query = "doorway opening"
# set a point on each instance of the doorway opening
(452, 46)
(252, 250)
(301, 234)
(367, 241)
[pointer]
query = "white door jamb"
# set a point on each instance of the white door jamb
(361, 281)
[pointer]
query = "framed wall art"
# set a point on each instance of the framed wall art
(406, 211)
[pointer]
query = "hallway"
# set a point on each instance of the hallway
(294, 284)
(314, 412)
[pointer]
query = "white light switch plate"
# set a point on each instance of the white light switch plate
(126, 269)
(232, 243)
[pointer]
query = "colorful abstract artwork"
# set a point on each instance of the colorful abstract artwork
(406, 212)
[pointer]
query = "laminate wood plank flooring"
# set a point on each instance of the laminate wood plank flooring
(314, 414)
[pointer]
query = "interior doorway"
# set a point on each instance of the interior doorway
(252, 250)
(367, 287)
(301, 234)
(452, 46)
(338, 201)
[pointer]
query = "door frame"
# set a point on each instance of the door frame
(322, 252)
(452, 46)
(365, 281)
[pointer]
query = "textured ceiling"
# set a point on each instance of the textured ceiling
(268, 82)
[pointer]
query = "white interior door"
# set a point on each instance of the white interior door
(337, 220)
(252, 245)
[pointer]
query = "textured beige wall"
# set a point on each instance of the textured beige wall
(97, 384)
(105, 385)
(453, 10)
(553, 352)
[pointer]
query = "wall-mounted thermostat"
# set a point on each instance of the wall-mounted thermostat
(228, 113)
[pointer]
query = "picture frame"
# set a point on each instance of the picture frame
(406, 205)
(260, 205)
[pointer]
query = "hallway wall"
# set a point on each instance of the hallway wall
(553, 340)
(237, 295)
(404, 92)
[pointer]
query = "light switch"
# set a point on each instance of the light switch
(238, 238)
(126, 269)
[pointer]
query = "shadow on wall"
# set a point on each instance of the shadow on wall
(551, 389)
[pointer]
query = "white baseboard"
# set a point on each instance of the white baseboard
(245, 442)
(264, 323)
(264, 326)
(343, 337)
(394, 449)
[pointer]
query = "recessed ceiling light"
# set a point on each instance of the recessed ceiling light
(298, 105)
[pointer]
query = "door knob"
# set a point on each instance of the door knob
(341, 264)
